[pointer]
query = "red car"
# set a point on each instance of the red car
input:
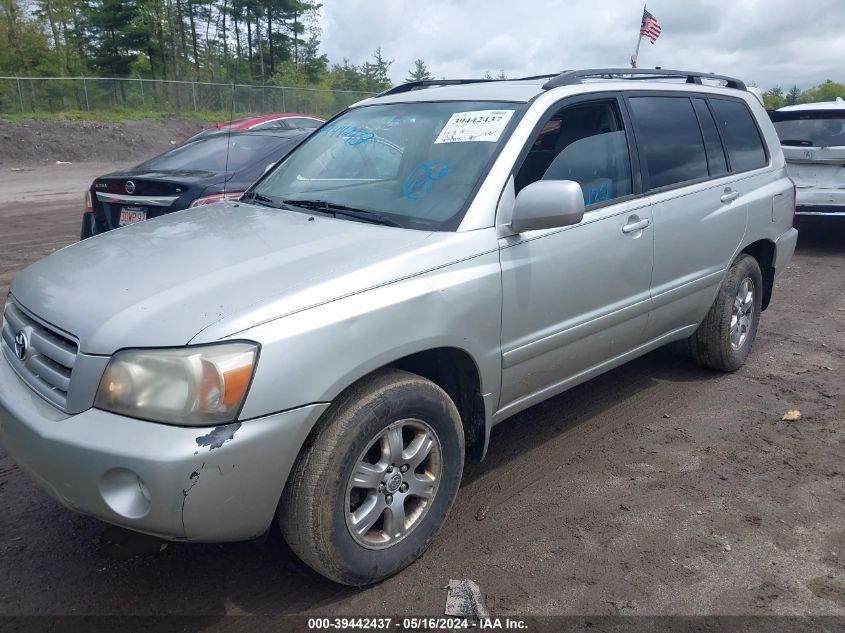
(283, 121)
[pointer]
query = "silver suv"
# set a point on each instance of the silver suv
(327, 351)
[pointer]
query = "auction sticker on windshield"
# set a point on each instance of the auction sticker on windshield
(479, 125)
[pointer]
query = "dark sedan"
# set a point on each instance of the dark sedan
(211, 168)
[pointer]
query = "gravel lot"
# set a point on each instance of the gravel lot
(658, 488)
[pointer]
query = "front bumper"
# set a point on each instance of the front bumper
(197, 484)
(821, 202)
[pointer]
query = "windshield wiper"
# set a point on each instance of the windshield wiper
(338, 209)
(263, 200)
(797, 142)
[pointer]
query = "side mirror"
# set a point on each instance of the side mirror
(548, 204)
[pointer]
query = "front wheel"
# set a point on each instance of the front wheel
(723, 340)
(376, 480)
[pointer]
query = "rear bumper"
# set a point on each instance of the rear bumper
(190, 483)
(784, 249)
(828, 202)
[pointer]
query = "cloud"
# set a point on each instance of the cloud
(772, 42)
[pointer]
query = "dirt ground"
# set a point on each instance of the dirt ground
(45, 142)
(658, 488)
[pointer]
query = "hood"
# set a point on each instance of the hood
(161, 282)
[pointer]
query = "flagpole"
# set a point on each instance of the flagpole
(640, 39)
(636, 53)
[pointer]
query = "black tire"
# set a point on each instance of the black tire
(87, 227)
(313, 508)
(711, 344)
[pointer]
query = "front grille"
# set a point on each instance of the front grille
(50, 354)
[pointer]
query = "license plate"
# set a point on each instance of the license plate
(130, 215)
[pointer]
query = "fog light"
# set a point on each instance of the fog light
(125, 493)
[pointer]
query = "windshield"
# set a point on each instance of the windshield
(811, 129)
(416, 164)
(210, 153)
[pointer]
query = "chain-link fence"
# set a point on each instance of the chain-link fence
(25, 95)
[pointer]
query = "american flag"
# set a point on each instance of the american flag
(650, 27)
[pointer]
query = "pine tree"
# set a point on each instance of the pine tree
(114, 36)
(376, 76)
(419, 72)
(793, 96)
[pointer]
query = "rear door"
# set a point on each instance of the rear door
(700, 207)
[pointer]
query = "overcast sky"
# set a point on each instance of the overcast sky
(772, 42)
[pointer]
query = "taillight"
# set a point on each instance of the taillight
(217, 197)
(794, 199)
(89, 208)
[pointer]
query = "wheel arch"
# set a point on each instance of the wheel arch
(455, 371)
(452, 369)
(764, 252)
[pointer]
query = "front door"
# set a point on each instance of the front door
(576, 298)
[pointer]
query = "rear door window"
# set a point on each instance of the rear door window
(716, 161)
(670, 139)
(740, 134)
(803, 128)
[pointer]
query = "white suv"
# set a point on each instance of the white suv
(813, 139)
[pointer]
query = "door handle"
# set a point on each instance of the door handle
(729, 196)
(635, 225)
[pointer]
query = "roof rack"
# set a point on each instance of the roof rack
(570, 77)
(425, 83)
(546, 76)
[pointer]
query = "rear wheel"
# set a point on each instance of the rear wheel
(87, 227)
(723, 340)
(375, 482)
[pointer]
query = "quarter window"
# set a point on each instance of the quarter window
(670, 139)
(742, 138)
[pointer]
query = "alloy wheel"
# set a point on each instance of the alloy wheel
(742, 313)
(393, 484)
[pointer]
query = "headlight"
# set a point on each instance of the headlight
(197, 386)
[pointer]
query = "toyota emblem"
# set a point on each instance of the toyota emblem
(130, 187)
(394, 483)
(21, 345)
